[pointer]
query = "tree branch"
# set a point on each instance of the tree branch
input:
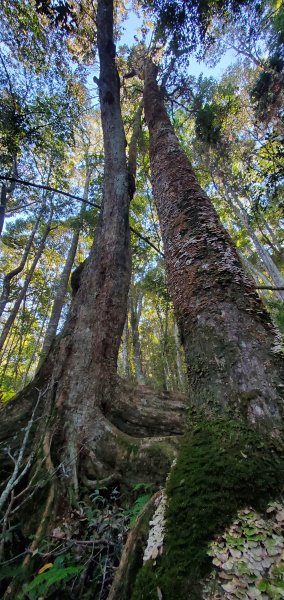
(48, 189)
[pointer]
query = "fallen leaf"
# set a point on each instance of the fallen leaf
(45, 568)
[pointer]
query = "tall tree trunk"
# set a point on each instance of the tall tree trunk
(3, 203)
(64, 279)
(227, 335)
(234, 384)
(79, 375)
(87, 414)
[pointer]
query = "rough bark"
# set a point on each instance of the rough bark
(79, 373)
(227, 335)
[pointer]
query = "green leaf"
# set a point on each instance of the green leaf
(41, 583)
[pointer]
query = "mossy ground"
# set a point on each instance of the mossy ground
(223, 466)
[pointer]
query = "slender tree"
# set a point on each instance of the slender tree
(14, 311)
(64, 279)
(136, 300)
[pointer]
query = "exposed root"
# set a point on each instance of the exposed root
(107, 482)
(133, 459)
(140, 411)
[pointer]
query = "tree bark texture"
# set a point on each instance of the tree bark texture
(227, 335)
(83, 381)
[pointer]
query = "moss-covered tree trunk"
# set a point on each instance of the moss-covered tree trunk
(228, 337)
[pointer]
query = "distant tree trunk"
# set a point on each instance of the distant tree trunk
(125, 357)
(5, 191)
(9, 276)
(264, 255)
(64, 279)
(275, 244)
(257, 275)
(7, 353)
(3, 203)
(34, 355)
(221, 319)
(23, 291)
(136, 299)
(163, 345)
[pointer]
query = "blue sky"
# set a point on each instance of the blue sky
(131, 26)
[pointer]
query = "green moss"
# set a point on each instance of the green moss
(223, 466)
(146, 583)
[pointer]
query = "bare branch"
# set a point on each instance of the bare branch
(16, 475)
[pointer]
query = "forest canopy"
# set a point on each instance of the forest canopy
(141, 300)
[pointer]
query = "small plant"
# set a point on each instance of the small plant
(140, 501)
(43, 583)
